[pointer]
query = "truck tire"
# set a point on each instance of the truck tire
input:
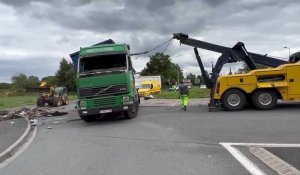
(57, 101)
(132, 111)
(264, 99)
(234, 100)
(40, 102)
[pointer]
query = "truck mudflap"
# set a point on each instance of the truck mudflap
(103, 110)
(272, 84)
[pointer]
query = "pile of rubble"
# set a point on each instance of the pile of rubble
(29, 113)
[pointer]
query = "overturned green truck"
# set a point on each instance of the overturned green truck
(105, 81)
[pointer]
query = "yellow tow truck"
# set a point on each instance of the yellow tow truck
(259, 87)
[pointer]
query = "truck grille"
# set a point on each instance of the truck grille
(102, 91)
(106, 101)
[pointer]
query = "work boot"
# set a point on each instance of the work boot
(184, 108)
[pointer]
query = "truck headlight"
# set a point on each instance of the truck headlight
(126, 98)
(82, 104)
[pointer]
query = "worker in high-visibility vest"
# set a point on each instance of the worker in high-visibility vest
(183, 93)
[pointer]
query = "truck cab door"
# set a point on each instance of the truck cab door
(293, 80)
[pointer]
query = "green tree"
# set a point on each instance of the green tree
(66, 75)
(32, 81)
(198, 80)
(5, 86)
(191, 77)
(19, 81)
(161, 64)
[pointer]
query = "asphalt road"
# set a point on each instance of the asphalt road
(161, 140)
(11, 131)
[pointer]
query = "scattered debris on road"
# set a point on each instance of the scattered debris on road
(30, 113)
(3, 112)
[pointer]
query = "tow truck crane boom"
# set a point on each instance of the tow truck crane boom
(229, 55)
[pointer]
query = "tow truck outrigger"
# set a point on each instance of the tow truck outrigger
(263, 87)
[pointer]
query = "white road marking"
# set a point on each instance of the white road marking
(266, 144)
(27, 130)
(248, 164)
(20, 150)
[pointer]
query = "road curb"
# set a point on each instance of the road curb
(15, 147)
(275, 163)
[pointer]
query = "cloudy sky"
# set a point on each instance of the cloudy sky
(36, 34)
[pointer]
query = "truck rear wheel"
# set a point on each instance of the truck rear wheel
(40, 102)
(132, 111)
(234, 100)
(264, 99)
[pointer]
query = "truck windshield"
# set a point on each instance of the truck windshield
(146, 86)
(103, 63)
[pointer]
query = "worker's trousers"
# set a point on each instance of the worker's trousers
(174, 88)
(184, 100)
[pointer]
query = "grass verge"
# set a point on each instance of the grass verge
(195, 92)
(24, 100)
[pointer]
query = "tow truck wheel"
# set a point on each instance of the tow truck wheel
(132, 111)
(234, 100)
(264, 99)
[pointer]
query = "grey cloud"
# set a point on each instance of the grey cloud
(20, 3)
(215, 2)
(160, 16)
(30, 66)
(264, 26)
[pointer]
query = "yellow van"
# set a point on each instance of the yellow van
(149, 87)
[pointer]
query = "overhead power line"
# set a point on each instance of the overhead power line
(145, 52)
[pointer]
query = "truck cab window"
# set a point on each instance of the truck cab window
(103, 62)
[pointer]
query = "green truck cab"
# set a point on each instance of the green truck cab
(105, 82)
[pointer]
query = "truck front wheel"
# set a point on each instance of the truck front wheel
(234, 100)
(264, 99)
(132, 111)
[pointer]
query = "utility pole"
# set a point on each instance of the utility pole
(177, 74)
(289, 50)
(230, 72)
